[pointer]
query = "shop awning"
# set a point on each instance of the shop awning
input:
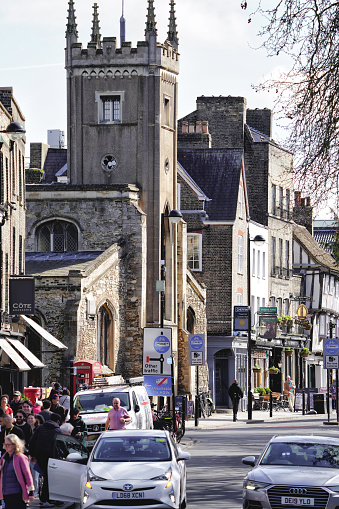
(32, 359)
(13, 354)
(44, 333)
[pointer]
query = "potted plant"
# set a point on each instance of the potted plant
(289, 320)
(267, 390)
(304, 352)
(260, 390)
(256, 368)
(273, 370)
(289, 351)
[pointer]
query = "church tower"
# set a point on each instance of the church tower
(122, 116)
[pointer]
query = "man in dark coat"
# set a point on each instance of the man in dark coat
(41, 447)
(46, 410)
(7, 427)
(235, 393)
(56, 408)
(21, 422)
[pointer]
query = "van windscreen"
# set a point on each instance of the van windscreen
(100, 402)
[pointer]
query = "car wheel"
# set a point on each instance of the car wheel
(183, 504)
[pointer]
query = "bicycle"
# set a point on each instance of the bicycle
(164, 420)
(206, 404)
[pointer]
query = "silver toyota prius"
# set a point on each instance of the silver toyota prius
(293, 472)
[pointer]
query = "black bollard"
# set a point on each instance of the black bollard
(271, 404)
(303, 393)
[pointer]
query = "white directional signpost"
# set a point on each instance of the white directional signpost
(157, 357)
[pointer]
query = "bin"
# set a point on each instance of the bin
(32, 393)
(319, 403)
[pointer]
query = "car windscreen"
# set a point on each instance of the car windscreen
(132, 448)
(301, 454)
(100, 402)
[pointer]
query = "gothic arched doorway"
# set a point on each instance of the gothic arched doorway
(106, 337)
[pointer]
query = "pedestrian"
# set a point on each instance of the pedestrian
(7, 428)
(37, 407)
(79, 426)
(16, 483)
(66, 428)
(41, 448)
(27, 406)
(38, 421)
(46, 409)
(65, 401)
(16, 402)
(289, 391)
(117, 416)
(5, 406)
(56, 389)
(57, 408)
(21, 422)
(31, 421)
(236, 394)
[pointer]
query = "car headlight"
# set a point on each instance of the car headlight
(255, 485)
(333, 488)
(92, 477)
(164, 477)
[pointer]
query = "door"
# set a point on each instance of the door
(221, 382)
(64, 476)
(139, 415)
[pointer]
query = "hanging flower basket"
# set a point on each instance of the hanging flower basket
(289, 353)
(304, 352)
(289, 323)
(256, 370)
(273, 370)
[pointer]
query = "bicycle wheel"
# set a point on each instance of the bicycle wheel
(202, 407)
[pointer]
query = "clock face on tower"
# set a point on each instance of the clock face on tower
(109, 163)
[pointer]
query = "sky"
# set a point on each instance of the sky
(219, 52)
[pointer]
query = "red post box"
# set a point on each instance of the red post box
(86, 370)
(32, 393)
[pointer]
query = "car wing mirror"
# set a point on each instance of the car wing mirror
(249, 460)
(183, 455)
(74, 457)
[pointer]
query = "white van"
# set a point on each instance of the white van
(94, 404)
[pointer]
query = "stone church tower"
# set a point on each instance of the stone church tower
(96, 244)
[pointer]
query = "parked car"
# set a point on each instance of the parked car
(294, 471)
(94, 404)
(126, 467)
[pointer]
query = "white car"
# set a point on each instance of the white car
(126, 467)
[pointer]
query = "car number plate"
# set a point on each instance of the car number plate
(300, 501)
(129, 495)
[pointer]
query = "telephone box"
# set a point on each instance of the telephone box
(86, 370)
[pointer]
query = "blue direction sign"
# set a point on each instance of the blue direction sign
(196, 349)
(331, 346)
(158, 385)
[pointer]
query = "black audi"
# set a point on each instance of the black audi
(293, 472)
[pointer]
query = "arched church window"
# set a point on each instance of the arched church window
(106, 337)
(57, 236)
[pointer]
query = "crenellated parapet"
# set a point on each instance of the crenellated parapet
(110, 59)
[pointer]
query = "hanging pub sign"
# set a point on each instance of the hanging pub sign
(21, 295)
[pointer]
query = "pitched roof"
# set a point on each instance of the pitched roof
(55, 160)
(59, 264)
(217, 173)
(311, 246)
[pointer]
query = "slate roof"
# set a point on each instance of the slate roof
(217, 172)
(59, 264)
(311, 246)
(55, 160)
(326, 233)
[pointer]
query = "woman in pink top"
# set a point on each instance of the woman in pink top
(117, 416)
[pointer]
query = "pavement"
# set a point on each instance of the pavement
(224, 419)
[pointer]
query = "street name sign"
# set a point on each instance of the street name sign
(196, 349)
(157, 352)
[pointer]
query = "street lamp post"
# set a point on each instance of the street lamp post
(173, 217)
(259, 241)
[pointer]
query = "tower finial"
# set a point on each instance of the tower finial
(151, 25)
(122, 26)
(71, 31)
(172, 35)
(96, 36)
